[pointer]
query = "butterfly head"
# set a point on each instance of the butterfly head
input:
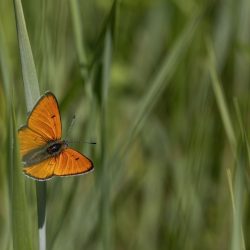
(56, 147)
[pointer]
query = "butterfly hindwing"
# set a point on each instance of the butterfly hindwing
(43, 170)
(68, 162)
(72, 162)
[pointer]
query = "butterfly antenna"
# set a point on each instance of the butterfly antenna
(88, 142)
(70, 126)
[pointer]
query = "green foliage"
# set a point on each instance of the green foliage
(162, 87)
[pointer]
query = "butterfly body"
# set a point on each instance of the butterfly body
(56, 147)
(43, 152)
(51, 149)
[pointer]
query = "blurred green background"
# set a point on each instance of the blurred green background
(163, 88)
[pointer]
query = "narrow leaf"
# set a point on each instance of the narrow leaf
(28, 66)
(20, 216)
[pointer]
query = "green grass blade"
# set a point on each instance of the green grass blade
(4, 65)
(32, 94)
(79, 38)
(105, 175)
(5, 168)
(109, 23)
(106, 42)
(220, 99)
(30, 80)
(20, 215)
(238, 241)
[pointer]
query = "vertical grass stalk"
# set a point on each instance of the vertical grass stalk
(105, 178)
(32, 94)
(220, 99)
(238, 241)
(19, 214)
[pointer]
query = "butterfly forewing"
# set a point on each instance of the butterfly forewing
(29, 140)
(45, 118)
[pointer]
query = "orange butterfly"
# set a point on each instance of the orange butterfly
(43, 151)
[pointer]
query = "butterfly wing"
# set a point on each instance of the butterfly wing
(72, 162)
(45, 118)
(43, 125)
(43, 170)
(68, 162)
(29, 140)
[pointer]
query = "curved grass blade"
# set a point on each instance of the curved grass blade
(32, 94)
(239, 151)
(30, 80)
(220, 99)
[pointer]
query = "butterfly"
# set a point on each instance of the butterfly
(44, 153)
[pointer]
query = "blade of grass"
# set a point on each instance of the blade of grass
(20, 220)
(30, 80)
(106, 43)
(6, 176)
(238, 113)
(32, 93)
(4, 63)
(83, 61)
(224, 31)
(105, 175)
(79, 39)
(238, 241)
(220, 99)
(20, 217)
(109, 23)
(242, 164)
(152, 189)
